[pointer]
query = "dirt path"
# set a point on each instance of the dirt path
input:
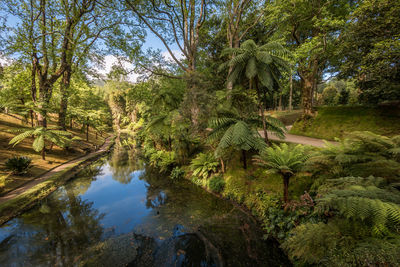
(16, 192)
(298, 139)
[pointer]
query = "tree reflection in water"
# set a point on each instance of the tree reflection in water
(123, 163)
(59, 230)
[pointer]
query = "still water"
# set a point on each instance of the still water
(118, 212)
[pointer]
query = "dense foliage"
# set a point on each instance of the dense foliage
(18, 165)
(204, 103)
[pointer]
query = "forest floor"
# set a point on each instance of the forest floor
(54, 158)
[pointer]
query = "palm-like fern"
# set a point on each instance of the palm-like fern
(362, 199)
(258, 64)
(203, 165)
(284, 160)
(359, 154)
(263, 62)
(233, 131)
(42, 134)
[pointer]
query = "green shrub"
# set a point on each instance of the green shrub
(236, 188)
(177, 174)
(203, 165)
(18, 165)
(165, 160)
(217, 184)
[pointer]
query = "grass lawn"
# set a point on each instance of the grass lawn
(331, 122)
(286, 116)
(54, 157)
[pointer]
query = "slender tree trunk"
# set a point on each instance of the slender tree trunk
(244, 159)
(286, 188)
(64, 91)
(222, 165)
(31, 113)
(261, 108)
(280, 103)
(44, 153)
(290, 91)
(71, 123)
(87, 132)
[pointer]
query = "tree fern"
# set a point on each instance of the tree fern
(203, 165)
(360, 153)
(359, 199)
(41, 135)
(284, 160)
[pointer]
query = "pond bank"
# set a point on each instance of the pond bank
(19, 200)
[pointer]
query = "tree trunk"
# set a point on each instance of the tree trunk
(64, 91)
(280, 102)
(307, 91)
(42, 121)
(87, 132)
(291, 91)
(71, 123)
(261, 108)
(244, 159)
(286, 178)
(44, 154)
(222, 165)
(309, 79)
(31, 113)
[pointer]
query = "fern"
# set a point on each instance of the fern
(359, 154)
(204, 165)
(363, 201)
(42, 134)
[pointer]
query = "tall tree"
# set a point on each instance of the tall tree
(176, 24)
(310, 29)
(106, 23)
(370, 50)
(43, 39)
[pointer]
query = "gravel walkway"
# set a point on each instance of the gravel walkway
(298, 139)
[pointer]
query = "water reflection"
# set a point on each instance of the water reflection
(115, 213)
(54, 233)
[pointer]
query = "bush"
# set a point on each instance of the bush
(203, 165)
(177, 174)
(217, 184)
(18, 165)
(164, 160)
(236, 188)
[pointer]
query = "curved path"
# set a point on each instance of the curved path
(16, 192)
(298, 139)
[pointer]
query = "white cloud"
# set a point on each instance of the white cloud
(110, 61)
(4, 61)
(177, 53)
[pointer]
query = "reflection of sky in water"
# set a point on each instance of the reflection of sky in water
(68, 224)
(123, 204)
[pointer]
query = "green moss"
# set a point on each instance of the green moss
(331, 122)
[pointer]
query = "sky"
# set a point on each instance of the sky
(153, 42)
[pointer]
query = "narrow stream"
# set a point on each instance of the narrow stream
(118, 212)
